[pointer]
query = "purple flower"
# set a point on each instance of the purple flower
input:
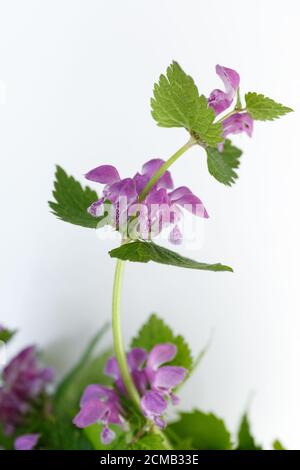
(162, 379)
(220, 100)
(237, 123)
(154, 381)
(100, 404)
(26, 441)
(136, 359)
(22, 382)
(161, 208)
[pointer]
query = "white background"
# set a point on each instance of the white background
(78, 78)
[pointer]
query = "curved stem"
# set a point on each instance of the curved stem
(164, 168)
(117, 335)
(116, 301)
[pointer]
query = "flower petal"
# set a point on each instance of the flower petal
(153, 404)
(104, 174)
(107, 435)
(237, 123)
(168, 377)
(95, 391)
(124, 189)
(230, 78)
(91, 412)
(112, 369)
(219, 101)
(151, 167)
(136, 358)
(160, 354)
(26, 442)
(186, 199)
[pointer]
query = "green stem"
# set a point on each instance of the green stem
(231, 113)
(116, 301)
(117, 335)
(164, 168)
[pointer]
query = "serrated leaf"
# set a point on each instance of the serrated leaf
(245, 438)
(177, 103)
(143, 252)
(204, 128)
(264, 109)
(222, 165)
(72, 201)
(277, 445)
(155, 331)
(203, 431)
(6, 335)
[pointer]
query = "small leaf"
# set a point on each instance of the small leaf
(245, 438)
(277, 445)
(203, 431)
(143, 252)
(6, 335)
(72, 201)
(264, 109)
(221, 165)
(177, 103)
(155, 331)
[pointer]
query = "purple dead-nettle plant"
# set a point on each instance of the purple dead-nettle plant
(145, 380)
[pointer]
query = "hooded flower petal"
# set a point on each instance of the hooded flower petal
(230, 78)
(160, 354)
(136, 358)
(237, 123)
(104, 174)
(153, 405)
(168, 377)
(184, 197)
(26, 441)
(92, 411)
(218, 99)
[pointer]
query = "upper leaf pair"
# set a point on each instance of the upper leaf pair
(177, 103)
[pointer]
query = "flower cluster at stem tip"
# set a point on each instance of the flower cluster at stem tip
(161, 207)
(154, 381)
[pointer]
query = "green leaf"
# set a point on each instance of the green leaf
(277, 445)
(149, 442)
(6, 335)
(72, 201)
(204, 128)
(222, 165)
(264, 109)
(245, 438)
(143, 252)
(155, 331)
(89, 369)
(177, 103)
(203, 431)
